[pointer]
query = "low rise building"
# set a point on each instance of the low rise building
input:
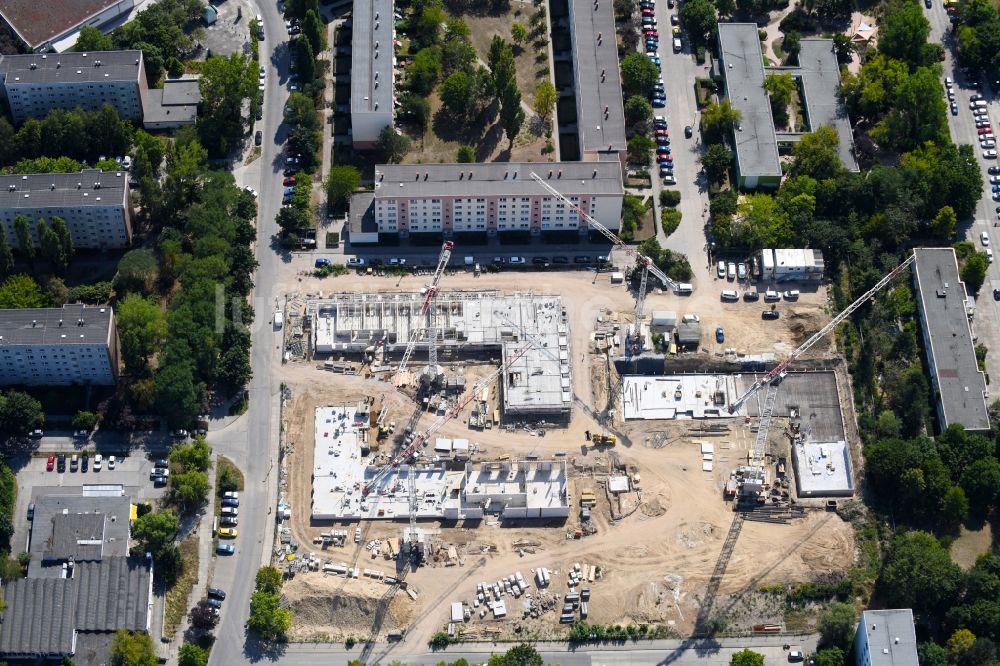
(492, 198)
(173, 105)
(372, 70)
(95, 205)
(886, 638)
(792, 264)
(34, 84)
(71, 345)
(959, 385)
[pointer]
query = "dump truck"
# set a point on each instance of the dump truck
(605, 440)
(587, 499)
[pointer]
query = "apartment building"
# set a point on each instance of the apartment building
(34, 84)
(886, 638)
(94, 204)
(44, 25)
(74, 344)
(491, 198)
(372, 66)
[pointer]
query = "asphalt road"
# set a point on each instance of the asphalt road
(986, 322)
(252, 441)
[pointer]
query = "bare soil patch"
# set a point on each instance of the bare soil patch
(970, 544)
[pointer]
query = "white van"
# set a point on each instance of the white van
(770, 296)
(684, 288)
(792, 295)
(978, 104)
(730, 295)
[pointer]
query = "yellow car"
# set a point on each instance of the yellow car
(677, 29)
(227, 532)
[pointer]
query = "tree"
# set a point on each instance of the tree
(747, 657)
(133, 649)
(932, 654)
(698, 18)
(425, 70)
(718, 119)
(918, 573)
(314, 31)
(546, 97)
(457, 95)
(234, 371)
(203, 615)
(85, 421)
(142, 328)
(763, 222)
(269, 579)
(176, 396)
(640, 150)
(25, 242)
(6, 255)
(780, 89)
(843, 45)
(903, 33)
(519, 655)
(426, 23)
(189, 489)
(511, 113)
(342, 181)
(816, 154)
(945, 222)
(792, 44)
(225, 83)
(638, 113)
(192, 655)
(19, 413)
(959, 643)
(91, 39)
(837, 625)
(639, 73)
(155, 530)
(305, 61)
(716, 162)
(416, 109)
(974, 271)
(195, 455)
(624, 9)
(981, 482)
(518, 33)
(267, 618)
(391, 144)
(466, 154)
(457, 51)
(832, 656)
(19, 292)
(501, 65)
(58, 226)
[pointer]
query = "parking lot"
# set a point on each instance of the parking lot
(34, 481)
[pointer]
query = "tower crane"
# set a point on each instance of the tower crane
(645, 261)
(411, 448)
(427, 314)
(772, 380)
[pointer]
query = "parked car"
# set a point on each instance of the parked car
(751, 296)
(688, 132)
(74, 463)
(741, 271)
(98, 459)
(214, 603)
(730, 295)
(770, 296)
(517, 261)
(258, 138)
(50, 463)
(230, 501)
(231, 494)
(231, 521)
(322, 262)
(229, 511)
(660, 122)
(984, 238)
(159, 481)
(581, 259)
(225, 549)
(61, 464)
(791, 295)
(228, 532)
(731, 270)
(990, 154)
(770, 314)
(669, 180)
(31, 510)
(677, 45)
(720, 335)
(111, 462)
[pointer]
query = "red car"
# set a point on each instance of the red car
(662, 131)
(50, 463)
(983, 130)
(651, 33)
(646, 11)
(288, 181)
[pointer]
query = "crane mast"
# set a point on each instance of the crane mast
(426, 314)
(607, 233)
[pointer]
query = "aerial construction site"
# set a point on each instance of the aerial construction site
(463, 454)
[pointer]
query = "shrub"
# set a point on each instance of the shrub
(670, 197)
(670, 219)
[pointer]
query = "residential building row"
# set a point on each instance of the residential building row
(35, 83)
(72, 345)
(486, 198)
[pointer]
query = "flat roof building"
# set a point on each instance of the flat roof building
(757, 139)
(71, 345)
(536, 384)
(600, 110)
(342, 468)
(493, 197)
(39, 24)
(34, 84)
(173, 105)
(959, 385)
(94, 204)
(886, 638)
(373, 61)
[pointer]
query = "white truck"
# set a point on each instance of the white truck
(279, 320)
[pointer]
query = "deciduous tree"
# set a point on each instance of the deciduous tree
(142, 328)
(342, 180)
(546, 97)
(639, 73)
(391, 144)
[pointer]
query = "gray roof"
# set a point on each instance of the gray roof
(92, 67)
(156, 110)
(820, 74)
(961, 386)
(362, 213)
(39, 21)
(743, 65)
(81, 528)
(90, 187)
(366, 61)
(41, 326)
(892, 640)
(590, 58)
(181, 91)
(44, 614)
(497, 179)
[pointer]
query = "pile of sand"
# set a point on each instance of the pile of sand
(322, 604)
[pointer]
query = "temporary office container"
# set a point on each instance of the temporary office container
(585, 594)
(567, 618)
(584, 610)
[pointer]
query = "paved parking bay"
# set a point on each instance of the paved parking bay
(33, 481)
